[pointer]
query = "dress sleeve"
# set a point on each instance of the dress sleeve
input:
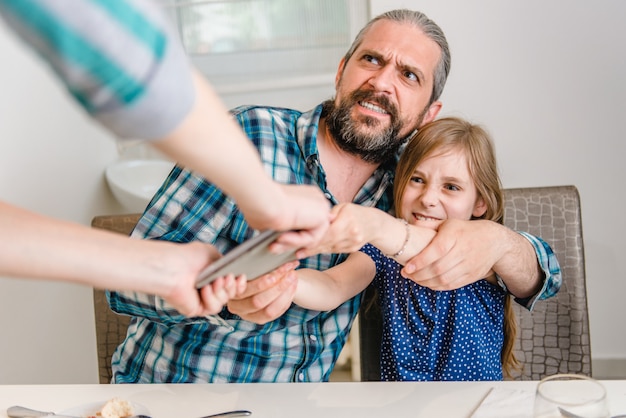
(119, 60)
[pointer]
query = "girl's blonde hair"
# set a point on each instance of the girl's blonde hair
(441, 136)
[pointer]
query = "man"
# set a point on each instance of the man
(388, 85)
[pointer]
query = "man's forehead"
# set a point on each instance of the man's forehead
(402, 41)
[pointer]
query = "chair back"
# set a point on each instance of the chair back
(554, 337)
(110, 327)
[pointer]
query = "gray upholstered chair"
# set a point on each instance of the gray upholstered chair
(554, 338)
(110, 327)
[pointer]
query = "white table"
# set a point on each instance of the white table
(293, 400)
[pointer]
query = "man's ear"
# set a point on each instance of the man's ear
(480, 207)
(342, 64)
(432, 112)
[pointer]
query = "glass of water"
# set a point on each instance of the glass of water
(571, 396)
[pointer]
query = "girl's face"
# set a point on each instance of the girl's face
(441, 188)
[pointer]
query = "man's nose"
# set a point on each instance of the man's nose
(383, 79)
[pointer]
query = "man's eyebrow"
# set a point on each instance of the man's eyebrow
(371, 52)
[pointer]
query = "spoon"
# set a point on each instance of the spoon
(232, 414)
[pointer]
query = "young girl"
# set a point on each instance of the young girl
(447, 171)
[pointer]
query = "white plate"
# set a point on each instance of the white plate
(90, 409)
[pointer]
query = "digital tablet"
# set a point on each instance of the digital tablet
(251, 258)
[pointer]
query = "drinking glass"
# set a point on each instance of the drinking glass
(571, 396)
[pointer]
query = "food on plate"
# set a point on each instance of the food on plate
(115, 408)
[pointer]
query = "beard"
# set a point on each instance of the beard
(374, 144)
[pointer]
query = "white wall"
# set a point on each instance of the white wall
(546, 78)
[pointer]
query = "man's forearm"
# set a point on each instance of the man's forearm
(518, 267)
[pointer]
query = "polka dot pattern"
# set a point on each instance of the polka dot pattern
(444, 335)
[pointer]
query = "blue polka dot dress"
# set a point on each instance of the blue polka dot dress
(437, 335)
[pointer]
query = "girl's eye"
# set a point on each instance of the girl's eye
(416, 179)
(452, 187)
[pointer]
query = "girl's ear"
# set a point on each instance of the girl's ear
(480, 207)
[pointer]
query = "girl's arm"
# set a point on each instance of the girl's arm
(353, 226)
(325, 290)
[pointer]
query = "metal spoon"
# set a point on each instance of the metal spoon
(231, 414)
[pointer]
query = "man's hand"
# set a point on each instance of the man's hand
(267, 297)
(464, 252)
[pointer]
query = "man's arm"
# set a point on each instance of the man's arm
(463, 252)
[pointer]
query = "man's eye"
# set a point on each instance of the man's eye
(411, 76)
(371, 59)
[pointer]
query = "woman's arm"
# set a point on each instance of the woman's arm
(209, 142)
(32, 245)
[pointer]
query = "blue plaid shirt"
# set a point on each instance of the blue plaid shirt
(302, 345)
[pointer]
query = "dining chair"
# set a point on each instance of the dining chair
(554, 337)
(110, 327)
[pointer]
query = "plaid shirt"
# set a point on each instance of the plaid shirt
(302, 345)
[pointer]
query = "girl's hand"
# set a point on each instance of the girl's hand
(350, 229)
(267, 297)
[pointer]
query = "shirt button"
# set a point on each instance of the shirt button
(301, 377)
(328, 196)
(313, 337)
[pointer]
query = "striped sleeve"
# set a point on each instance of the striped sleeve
(118, 59)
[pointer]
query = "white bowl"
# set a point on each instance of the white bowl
(134, 182)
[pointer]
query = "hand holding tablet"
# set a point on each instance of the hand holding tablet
(251, 258)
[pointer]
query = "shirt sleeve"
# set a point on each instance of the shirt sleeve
(119, 59)
(551, 271)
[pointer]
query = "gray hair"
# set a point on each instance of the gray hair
(430, 29)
